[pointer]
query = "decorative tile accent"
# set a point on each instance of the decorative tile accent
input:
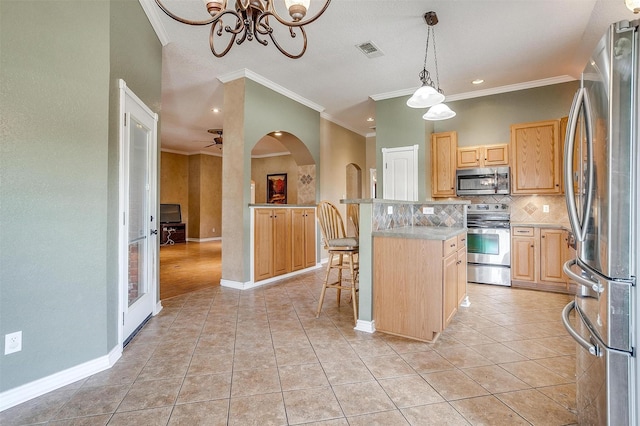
(307, 184)
(530, 208)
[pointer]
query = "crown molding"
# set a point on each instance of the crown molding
(247, 73)
(153, 14)
(485, 92)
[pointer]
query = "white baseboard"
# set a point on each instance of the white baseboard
(157, 308)
(15, 396)
(204, 240)
(366, 326)
(252, 284)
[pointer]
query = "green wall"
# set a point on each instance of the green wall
(58, 166)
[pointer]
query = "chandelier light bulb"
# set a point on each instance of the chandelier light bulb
(439, 112)
(215, 6)
(633, 5)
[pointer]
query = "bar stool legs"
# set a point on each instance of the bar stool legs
(342, 282)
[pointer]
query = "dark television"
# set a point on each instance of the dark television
(170, 213)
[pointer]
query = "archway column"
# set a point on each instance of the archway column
(235, 197)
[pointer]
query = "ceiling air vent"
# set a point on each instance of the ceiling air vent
(369, 49)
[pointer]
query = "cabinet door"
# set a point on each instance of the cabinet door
(523, 258)
(536, 158)
(462, 274)
(496, 155)
(552, 255)
(443, 164)
(309, 238)
(450, 287)
(467, 157)
(281, 243)
(263, 244)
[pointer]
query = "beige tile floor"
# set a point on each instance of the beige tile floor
(226, 357)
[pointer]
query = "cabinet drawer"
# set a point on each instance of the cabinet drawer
(522, 231)
(462, 240)
(449, 246)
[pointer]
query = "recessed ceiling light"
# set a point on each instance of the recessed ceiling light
(370, 119)
(477, 81)
(216, 110)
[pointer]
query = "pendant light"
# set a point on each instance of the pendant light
(430, 94)
(633, 5)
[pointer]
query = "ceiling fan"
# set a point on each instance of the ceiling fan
(217, 140)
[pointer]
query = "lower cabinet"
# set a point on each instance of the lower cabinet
(284, 241)
(416, 285)
(303, 238)
(537, 257)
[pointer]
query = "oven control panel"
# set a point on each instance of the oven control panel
(488, 208)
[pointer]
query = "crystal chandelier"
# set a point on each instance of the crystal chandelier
(249, 19)
(430, 94)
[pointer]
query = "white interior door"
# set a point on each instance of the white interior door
(138, 195)
(400, 173)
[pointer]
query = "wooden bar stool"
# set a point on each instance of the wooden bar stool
(342, 251)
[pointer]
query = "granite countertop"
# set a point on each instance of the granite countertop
(566, 227)
(278, 206)
(421, 232)
(384, 201)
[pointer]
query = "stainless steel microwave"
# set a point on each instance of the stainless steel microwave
(483, 181)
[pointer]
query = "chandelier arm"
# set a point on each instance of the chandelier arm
(233, 31)
(188, 21)
(272, 10)
(263, 28)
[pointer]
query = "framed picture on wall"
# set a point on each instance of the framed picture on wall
(277, 188)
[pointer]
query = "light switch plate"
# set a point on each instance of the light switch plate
(545, 208)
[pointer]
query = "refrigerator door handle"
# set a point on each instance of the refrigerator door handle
(579, 229)
(593, 349)
(594, 285)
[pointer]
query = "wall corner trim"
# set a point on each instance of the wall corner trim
(153, 14)
(15, 396)
(247, 73)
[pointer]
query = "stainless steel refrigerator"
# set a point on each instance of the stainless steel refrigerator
(601, 162)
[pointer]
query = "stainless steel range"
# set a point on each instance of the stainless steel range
(489, 244)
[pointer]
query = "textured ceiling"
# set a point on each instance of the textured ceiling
(508, 43)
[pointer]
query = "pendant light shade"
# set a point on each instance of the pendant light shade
(430, 94)
(439, 112)
(425, 97)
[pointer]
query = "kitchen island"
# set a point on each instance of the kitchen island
(408, 256)
(419, 279)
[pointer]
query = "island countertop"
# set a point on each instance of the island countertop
(421, 232)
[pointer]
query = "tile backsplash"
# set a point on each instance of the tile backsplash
(444, 215)
(530, 208)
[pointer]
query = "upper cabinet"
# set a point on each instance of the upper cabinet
(536, 158)
(482, 156)
(443, 164)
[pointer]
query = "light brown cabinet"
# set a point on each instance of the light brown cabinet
(443, 164)
(416, 285)
(462, 267)
(482, 156)
(272, 248)
(537, 257)
(536, 158)
(303, 238)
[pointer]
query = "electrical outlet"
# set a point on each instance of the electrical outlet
(12, 342)
(545, 208)
(213, 229)
(389, 209)
(427, 210)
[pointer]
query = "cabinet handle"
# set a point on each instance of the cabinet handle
(531, 245)
(452, 245)
(543, 236)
